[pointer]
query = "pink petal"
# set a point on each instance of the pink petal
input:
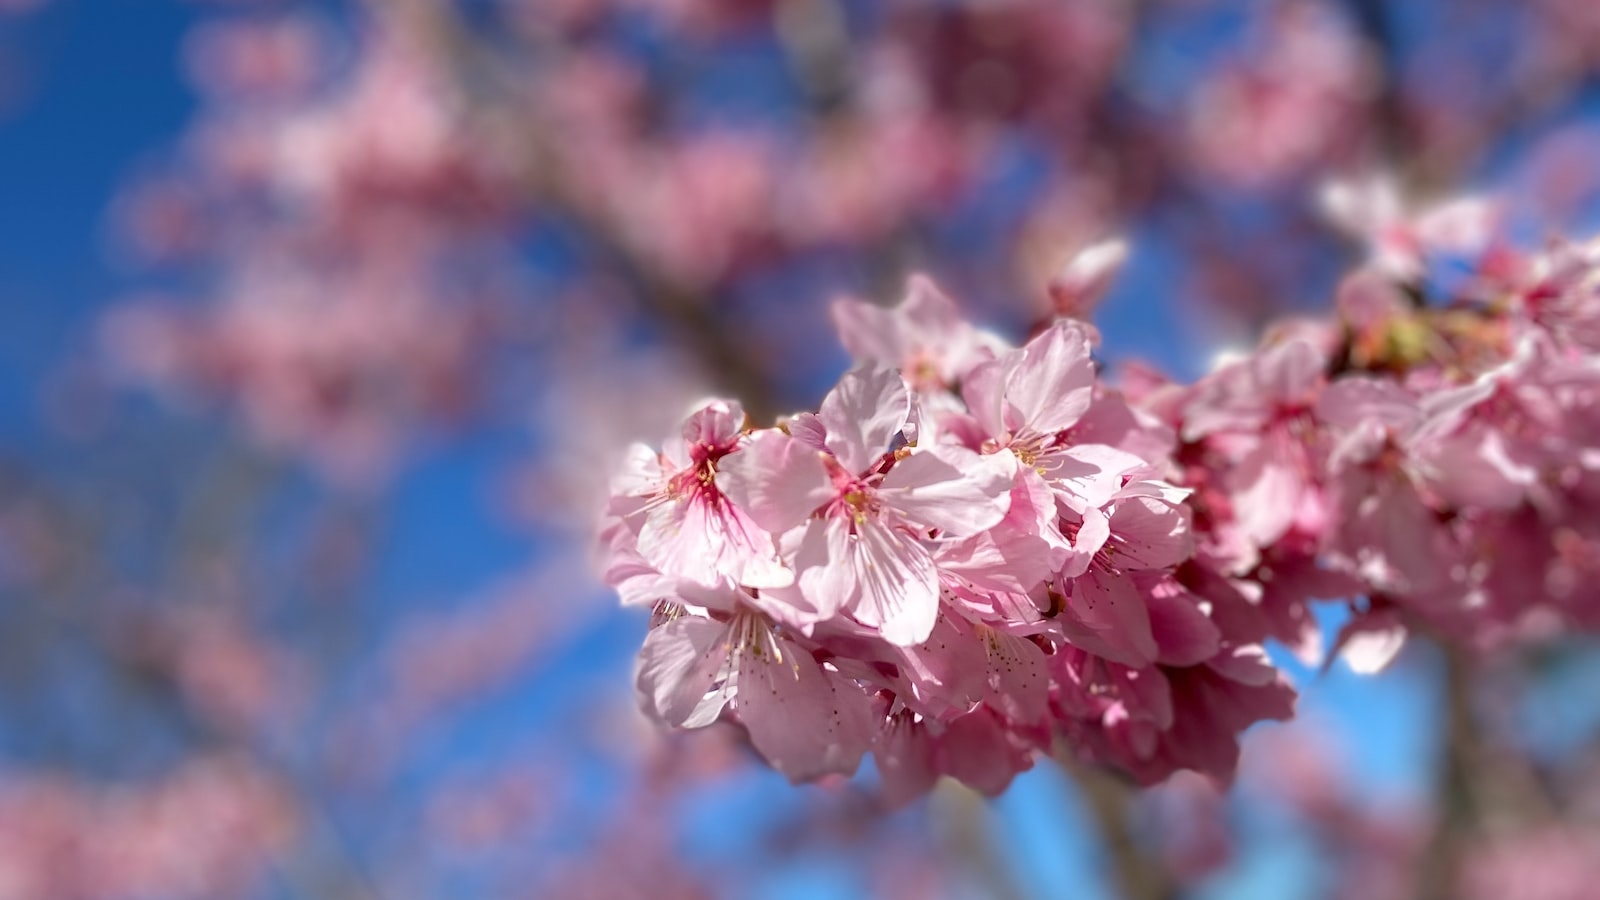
(808, 429)
(928, 311)
(1052, 385)
(1109, 606)
(1146, 695)
(638, 475)
(776, 479)
(863, 413)
(707, 539)
(716, 423)
(870, 333)
(950, 488)
(677, 667)
(1185, 635)
(1267, 488)
(984, 392)
(1017, 679)
(1113, 422)
(1150, 534)
(1245, 665)
(1088, 476)
(883, 576)
(1019, 552)
(946, 673)
(806, 721)
(1289, 372)
(905, 753)
(1473, 469)
(1093, 533)
(1078, 287)
(1368, 643)
(1355, 399)
(976, 750)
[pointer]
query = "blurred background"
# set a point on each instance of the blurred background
(321, 324)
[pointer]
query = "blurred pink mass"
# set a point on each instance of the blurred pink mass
(209, 829)
(261, 60)
(335, 368)
(1295, 101)
(1548, 864)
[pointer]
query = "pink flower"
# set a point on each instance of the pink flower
(867, 548)
(1401, 239)
(1076, 290)
(1023, 401)
(1255, 413)
(979, 749)
(1155, 721)
(686, 526)
(969, 561)
(806, 719)
(925, 336)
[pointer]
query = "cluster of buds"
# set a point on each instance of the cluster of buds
(968, 552)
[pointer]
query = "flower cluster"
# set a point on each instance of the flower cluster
(969, 551)
(1433, 462)
(973, 550)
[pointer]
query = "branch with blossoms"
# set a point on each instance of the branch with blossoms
(972, 551)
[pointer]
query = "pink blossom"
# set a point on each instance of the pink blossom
(865, 550)
(1078, 287)
(1399, 239)
(925, 337)
(804, 718)
(686, 526)
(982, 573)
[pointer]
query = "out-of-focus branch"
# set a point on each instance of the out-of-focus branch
(1454, 802)
(816, 42)
(1389, 117)
(1479, 786)
(1108, 800)
(691, 316)
(971, 838)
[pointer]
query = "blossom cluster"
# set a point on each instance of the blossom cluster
(1428, 454)
(969, 551)
(974, 552)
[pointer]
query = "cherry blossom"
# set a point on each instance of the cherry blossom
(971, 577)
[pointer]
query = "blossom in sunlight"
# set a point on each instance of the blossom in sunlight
(979, 564)
(988, 549)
